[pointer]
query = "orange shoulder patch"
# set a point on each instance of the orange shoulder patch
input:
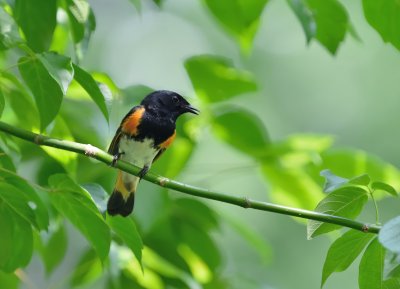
(131, 123)
(168, 141)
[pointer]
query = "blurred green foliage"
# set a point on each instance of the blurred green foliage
(51, 200)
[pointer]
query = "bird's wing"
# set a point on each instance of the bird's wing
(158, 155)
(114, 146)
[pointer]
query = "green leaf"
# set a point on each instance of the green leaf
(30, 195)
(384, 17)
(47, 92)
(332, 181)
(98, 194)
(305, 17)
(215, 79)
(37, 19)
(242, 130)
(16, 243)
(2, 101)
(392, 283)
(59, 67)
(345, 202)
(9, 35)
(384, 187)
(137, 4)
(125, 228)
(370, 275)
(75, 203)
(362, 180)
(87, 270)
(240, 18)
(389, 235)
(343, 252)
(55, 249)
(82, 22)
(326, 21)
(8, 280)
(18, 202)
(92, 88)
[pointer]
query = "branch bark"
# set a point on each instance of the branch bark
(100, 155)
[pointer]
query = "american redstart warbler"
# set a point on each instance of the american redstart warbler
(143, 135)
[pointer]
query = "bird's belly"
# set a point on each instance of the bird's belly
(139, 153)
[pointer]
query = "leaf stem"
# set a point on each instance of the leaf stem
(371, 193)
(98, 154)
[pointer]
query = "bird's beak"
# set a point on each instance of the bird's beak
(191, 109)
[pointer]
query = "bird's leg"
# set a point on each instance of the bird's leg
(116, 157)
(143, 171)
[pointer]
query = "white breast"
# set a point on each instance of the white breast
(136, 152)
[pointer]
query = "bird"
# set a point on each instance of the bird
(144, 134)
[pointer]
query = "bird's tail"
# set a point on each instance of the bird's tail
(122, 198)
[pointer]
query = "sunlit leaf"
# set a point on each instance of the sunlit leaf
(30, 197)
(47, 92)
(242, 130)
(343, 252)
(384, 187)
(384, 17)
(362, 180)
(59, 67)
(18, 202)
(345, 202)
(8, 280)
(215, 78)
(125, 228)
(2, 101)
(37, 19)
(92, 88)
(76, 204)
(370, 274)
(240, 18)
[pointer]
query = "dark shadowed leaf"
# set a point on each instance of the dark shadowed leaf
(345, 202)
(92, 88)
(370, 274)
(326, 21)
(216, 79)
(343, 252)
(389, 235)
(242, 130)
(37, 19)
(47, 92)
(332, 181)
(384, 17)
(384, 187)
(305, 17)
(16, 243)
(125, 228)
(54, 250)
(240, 18)
(392, 283)
(76, 204)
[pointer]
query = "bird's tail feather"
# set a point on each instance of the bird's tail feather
(122, 199)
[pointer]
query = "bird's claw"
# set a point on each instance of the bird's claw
(116, 157)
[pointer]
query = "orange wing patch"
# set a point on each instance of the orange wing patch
(131, 123)
(168, 141)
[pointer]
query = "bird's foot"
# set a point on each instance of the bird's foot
(116, 157)
(143, 172)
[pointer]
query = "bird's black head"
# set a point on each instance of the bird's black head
(167, 103)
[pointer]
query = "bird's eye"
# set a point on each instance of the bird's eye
(175, 99)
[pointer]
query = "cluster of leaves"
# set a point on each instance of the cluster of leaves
(53, 94)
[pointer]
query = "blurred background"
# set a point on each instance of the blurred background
(352, 97)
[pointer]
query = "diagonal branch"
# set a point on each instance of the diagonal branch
(98, 154)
